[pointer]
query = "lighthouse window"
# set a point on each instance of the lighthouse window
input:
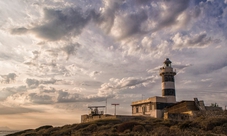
(161, 106)
(169, 92)
(168, 78)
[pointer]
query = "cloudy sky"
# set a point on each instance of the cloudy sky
(59, 56)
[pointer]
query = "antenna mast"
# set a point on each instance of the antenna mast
(106, 105)
(115, 104)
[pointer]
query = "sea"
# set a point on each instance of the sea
(6, 132)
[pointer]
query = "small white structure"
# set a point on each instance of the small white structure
(154, 106)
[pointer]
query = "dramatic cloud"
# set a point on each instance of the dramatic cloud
(58, 24)
(195, 41)
(128, 25)
(170, 12)
(115, 85)
(6, 110)
(34, 83)
(21, 30)
(70, 49)
(8, 78)
(64, 96)
(107, 17)
(8, 91)
(61, 56)
(40, 99)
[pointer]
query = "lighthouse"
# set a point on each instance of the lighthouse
(154, 106)
(168, 86)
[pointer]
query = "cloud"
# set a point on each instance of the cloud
(44, 89)
(8, 91)
(170, 12)
(132, 82)
(180, 68)
(59, 24)
(145, 2)
(33, 60)
(70, 49)
(107, 17)
(34, 83)
(115, 85)
(64, 97)
(40, 98)
(21, 30)
(191, 41)
(196, 12)
(95, 73)
(218, 64)
(6, 110)
(8, 78)
(129, 24)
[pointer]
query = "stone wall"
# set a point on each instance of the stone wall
(88, 118)
(193, 114)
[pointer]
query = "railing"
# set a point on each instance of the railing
(167, 70)
(141, 101)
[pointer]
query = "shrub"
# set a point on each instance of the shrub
(113, 134)
(185, 125)
(90, 128)
(107, 121)
(126, 125)
(107, 127)
(64, 131)
(44, 127)
(81, 125)
(148, 127)
(31, 134)
(138, 128)
(21, 132)
(174, 129)
(51, 130)
(210, 123)
(220, 130)
(113, 129)
(161, 131)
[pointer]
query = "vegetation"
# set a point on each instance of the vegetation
(201, 126)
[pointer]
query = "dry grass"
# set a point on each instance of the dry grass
(140, 126)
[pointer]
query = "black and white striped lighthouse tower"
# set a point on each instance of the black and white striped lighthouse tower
(168, 85)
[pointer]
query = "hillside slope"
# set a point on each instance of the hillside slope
(212, 126)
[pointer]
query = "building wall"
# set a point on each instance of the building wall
(182, 107)
(87, 118)
(159, 113)
(211, 108)
(187, 110)
(177, 116)
(152, 107)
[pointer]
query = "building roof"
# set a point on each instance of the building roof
(179, 103)
(151, 99)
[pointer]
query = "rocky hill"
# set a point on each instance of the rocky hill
(140, 126)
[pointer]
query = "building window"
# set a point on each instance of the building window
(144, 108)
(148, 108)
(137, 109)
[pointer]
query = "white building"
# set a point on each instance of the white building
(154, 106)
